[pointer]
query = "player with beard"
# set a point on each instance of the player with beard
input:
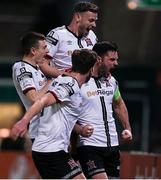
(99, 154)
(59, 108)
(62, 41)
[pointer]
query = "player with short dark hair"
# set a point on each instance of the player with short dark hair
(62, 41)
(28, 79)
(99, 153)
(59, 108)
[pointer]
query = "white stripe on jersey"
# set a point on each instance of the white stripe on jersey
(62, 42)
(59, 119)
(26, 77)
(97, 111)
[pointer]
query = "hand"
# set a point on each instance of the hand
(126, 134)
(18, 130)
(87, 130)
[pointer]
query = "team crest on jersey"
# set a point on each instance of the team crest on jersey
(89, 42)
(91, 165)
(106, 81)
(72, 163)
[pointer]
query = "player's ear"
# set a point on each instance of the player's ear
(77, 17)
(99, 59)
(33, 50)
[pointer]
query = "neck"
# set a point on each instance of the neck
(29, 60)
(97, 73)
(73, 26)
(79, 77)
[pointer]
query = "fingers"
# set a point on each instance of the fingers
(87, 130)
(126, 134)
(17, 131)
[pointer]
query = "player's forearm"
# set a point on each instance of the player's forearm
(124, 118)
(50, 71)
(122, 114)
(33, 110)
(43, 90)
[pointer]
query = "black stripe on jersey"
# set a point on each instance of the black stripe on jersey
(79, 43)
(104, 112)
(68, 88)
(52, 40)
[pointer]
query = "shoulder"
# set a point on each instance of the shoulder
(64, 86)
(67, 80)
(113, 80)
(57, 31)
(18, 65)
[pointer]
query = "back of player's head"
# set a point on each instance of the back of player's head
(29, 40)
(84, 7)
(83, 60)
(103, 47)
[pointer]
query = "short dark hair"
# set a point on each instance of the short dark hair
(103, 47)
(83, 60)
(29, 40)
(85, 6)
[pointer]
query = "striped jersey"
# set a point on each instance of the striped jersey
(98, 95)
(26, 77)
(58, 120)
(62, 42)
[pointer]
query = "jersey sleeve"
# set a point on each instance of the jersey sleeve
(52, 39)
(25, 79)
(62, 90)
(117, 93)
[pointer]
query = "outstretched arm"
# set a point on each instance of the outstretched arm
(20, 128)
(122, 114)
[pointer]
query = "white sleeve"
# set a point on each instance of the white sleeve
(25, 78)
(62, 90)
(52, 39)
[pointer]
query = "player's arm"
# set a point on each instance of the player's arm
(48, 70)
(53, 41)
(34, 94)
(84, 131)
(20, 128)
(122, 114)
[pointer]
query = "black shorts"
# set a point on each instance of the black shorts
(96, 160)
(55, 165)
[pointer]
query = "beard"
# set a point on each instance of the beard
(83, 32)
(102, 71)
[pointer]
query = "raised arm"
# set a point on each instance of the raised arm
(49, 70)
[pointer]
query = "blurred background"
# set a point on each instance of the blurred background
(135, 25)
